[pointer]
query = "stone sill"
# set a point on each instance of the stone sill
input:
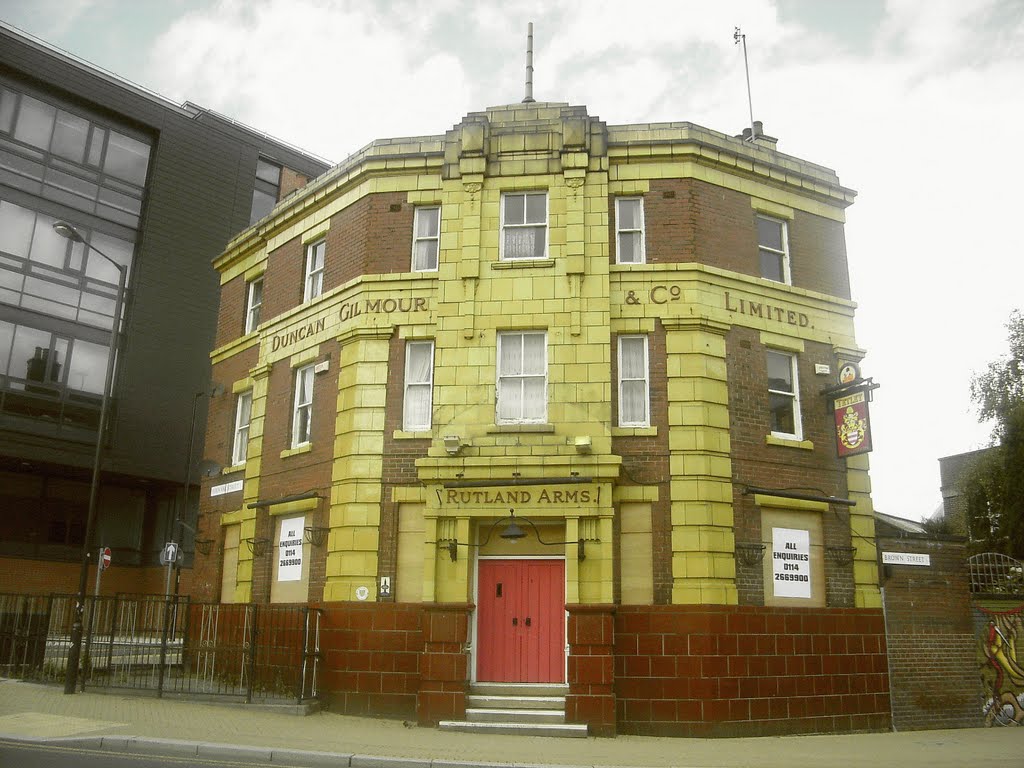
(789, 442)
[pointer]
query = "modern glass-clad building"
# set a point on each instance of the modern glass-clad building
(158, 188)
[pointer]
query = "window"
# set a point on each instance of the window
(425, 238)
(266, 189)
(773, 249)
(43, 362)
(243, 413)
(522, 377)
(629, 229)
(253, 304)
(793, 567)
(783, 395)
(314, 282)
(42, 271)
(524, 226)
(302, 410)
(72, 159)
(419, 382)
(634, 399)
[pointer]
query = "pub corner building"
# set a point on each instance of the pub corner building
(549, 402)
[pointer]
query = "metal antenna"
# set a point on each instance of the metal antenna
(529, 64)
(739, 37)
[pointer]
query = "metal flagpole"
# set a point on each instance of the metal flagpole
(739, 37)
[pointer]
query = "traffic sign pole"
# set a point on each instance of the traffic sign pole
(99, 571)
(102, 563)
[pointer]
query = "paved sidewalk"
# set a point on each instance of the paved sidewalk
(35, 712)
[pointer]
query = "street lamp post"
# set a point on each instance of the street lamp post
(182, 511)
(66, 230)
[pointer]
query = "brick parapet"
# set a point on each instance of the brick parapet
(749, 671)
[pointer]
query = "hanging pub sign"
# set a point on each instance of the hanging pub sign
(853, 424)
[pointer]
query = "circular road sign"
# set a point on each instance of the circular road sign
(105, 559)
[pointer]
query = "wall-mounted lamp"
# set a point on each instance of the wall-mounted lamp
(453, 444)
(512, 533)
(583, 444)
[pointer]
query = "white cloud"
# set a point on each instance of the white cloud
(326, 77)
(924, 122)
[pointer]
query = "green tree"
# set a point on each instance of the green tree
(993, 487)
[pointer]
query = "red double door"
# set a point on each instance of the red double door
(521, 621)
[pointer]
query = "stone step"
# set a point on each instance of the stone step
(564, 730)
(516, 716)
(518, 689)
(515, 702)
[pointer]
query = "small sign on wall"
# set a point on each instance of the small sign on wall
(791, 562)
(905, 558)
(289, 553)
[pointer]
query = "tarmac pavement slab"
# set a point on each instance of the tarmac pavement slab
(33, 712)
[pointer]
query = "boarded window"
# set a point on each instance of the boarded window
(409, 575)
(636, 556)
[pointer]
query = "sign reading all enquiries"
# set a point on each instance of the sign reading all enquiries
(289, 552)
(791, 562)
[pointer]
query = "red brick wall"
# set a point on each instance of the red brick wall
(757, 464)
(749, 671)
(931, 637)
(687, 220)
(290, 181)
(283, 280)
(444, 670)
(645, 461)
(817, 249)
(372, 236)
(591, 668)
(399, 464)
(231, 312)
(371, 658)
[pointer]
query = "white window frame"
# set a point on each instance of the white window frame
(253, 304)
(783, 254)
(412, 386)
(645, 379)
(797, 433)
(417, 239)
(313, 282)
(620, 231)
(302, 407)
(508, 227)
(240, 436)
(512, 381)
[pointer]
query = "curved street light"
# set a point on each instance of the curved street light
(68, 231)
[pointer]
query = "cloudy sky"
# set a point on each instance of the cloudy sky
(917, 105)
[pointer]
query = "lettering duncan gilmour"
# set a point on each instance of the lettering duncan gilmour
(348, 311)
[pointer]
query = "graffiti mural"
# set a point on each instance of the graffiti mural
(1002, 671)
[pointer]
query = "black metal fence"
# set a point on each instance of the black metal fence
(167, 645)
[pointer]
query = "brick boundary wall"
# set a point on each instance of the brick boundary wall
(749, 671)
(371, 658)
(930, 633)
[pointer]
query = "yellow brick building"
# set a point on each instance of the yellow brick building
(612, 340)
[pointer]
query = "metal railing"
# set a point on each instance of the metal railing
(993, 573)
(171, 646)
